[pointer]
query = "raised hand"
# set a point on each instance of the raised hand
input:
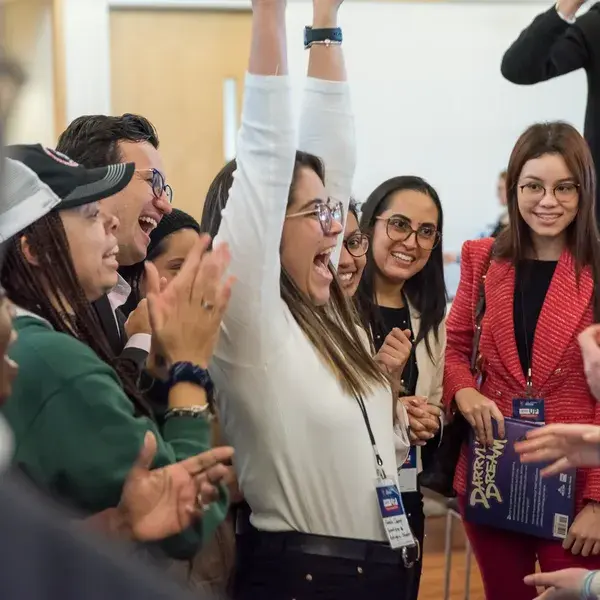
(162, 502)
(479, 412)
(563, 445)
(186, 315)
(394, 352)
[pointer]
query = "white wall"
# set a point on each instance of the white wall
(426, 84)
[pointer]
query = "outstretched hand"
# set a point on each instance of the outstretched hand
(162, 502)
(563, 445)
(560, 585)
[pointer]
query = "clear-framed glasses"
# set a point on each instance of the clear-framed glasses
(325, 213)
(157, 183)
(563, 192)
(357, 244)
(399, 229)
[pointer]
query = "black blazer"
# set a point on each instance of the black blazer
(133, 358)
(550, 47)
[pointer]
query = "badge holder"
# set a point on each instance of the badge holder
(531, 407)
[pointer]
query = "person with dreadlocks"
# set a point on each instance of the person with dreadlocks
(71, 394)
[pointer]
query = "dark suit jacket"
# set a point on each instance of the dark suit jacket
(550, 47)
(134, 359)
(46, 557)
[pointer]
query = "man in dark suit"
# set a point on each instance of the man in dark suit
(100, 140)
(557, 43)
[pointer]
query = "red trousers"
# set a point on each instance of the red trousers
(504, 558)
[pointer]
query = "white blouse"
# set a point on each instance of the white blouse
(303, 455)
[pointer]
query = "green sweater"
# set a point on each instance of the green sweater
(76, 434)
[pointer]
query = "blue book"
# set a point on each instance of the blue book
(504, 493)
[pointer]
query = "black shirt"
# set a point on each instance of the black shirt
(532, 280)
(551, 47)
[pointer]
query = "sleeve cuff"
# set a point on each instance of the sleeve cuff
(141, 341)
(267, 82)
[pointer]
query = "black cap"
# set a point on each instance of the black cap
(72, 183)
(169, 224)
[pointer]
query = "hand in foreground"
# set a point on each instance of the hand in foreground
(186, 315)
(162, 502)
(589, 342)
(423, 419)
(479, 412)
(584, 534)
(563, 445)
(561, 585)
(394, 353)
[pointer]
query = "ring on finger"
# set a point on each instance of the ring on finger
(206, 305)
(200, 503)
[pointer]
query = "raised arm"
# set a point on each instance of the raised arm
(327, 121)
(551, 46)
(253, 218)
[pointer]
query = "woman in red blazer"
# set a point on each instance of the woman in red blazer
(540, 293)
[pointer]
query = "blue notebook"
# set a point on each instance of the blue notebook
(504, 493)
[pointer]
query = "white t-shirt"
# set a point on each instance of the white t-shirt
(303, 454)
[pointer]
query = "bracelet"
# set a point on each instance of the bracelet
(325, 43)
(195, 412)
(586, 588)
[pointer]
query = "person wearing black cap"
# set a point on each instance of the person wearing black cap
(60, 258)
(557, 43)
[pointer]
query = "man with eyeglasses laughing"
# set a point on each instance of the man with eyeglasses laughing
(99, 140)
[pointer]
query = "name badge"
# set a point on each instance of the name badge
(529, 409)
(407, 473)
(393, 515)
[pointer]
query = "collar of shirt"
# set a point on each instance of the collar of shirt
(119, 294)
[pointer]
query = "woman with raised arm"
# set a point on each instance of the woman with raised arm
(300, 396)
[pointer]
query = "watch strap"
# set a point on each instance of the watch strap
(325, 36)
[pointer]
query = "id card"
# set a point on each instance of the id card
(529, 409)
(393, 516)
(407, 473)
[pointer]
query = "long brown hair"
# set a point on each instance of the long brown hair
(332, 329)
(514, 243)
(31, 287)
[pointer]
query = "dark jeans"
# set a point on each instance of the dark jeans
(413, 506)
(272, 572)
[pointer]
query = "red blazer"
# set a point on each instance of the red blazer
(557, 366)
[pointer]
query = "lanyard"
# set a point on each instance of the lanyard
(378, 460)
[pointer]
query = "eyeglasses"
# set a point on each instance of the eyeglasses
(357, 244)
(158, 184)
(563, 192)
(399, 229)
(325, 213)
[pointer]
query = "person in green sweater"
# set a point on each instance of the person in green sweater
(79, 422)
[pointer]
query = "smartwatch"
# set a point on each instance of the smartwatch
(190, 373)
(325, 37)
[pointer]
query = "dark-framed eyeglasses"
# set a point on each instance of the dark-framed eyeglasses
(325, 213)
(157, 183)
(563, 192)
(399, 229)
(357, 244)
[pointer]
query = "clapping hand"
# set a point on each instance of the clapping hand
(162, 502)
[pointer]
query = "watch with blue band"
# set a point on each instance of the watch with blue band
(190, 373)
(324, 37)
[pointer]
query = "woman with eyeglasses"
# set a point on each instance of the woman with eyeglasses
(538, 287)
(403, 290)
(301, 399)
